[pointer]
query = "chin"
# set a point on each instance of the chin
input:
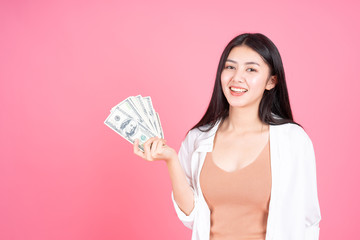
(237, 105)
(234, 101)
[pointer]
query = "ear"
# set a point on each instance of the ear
(271, 83)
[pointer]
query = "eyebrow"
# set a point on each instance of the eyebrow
(247, 63)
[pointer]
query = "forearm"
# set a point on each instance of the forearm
(183, 194)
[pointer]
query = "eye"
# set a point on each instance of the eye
(251, 70)
(229, 67)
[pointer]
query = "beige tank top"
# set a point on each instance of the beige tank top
(239, 200)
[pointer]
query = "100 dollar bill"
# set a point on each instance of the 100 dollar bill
(128, 127)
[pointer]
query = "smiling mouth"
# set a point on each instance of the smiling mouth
(238, 90)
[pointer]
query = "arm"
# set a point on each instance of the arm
(182, 194)
(186, 216)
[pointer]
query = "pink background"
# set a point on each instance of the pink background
(64, 64)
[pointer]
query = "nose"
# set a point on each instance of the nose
(238, 76)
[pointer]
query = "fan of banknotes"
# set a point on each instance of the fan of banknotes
(135, 118)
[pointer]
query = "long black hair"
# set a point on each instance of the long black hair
(274, 108)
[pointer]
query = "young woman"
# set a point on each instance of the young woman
(246, 170)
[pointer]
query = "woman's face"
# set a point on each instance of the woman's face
(245, 77)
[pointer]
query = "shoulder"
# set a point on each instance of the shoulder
(291, 130)
(199, 132)
(193, 134)
(198, 135)
(292, 135)
(190, 138)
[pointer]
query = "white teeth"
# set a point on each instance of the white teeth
(238, 89)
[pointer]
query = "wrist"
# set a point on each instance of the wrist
(172, 160)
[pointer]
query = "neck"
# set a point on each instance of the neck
(243, 120)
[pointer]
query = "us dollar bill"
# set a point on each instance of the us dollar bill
(161, 130)
(128, 107)
(139, 103)
(128, 127)
(135, 117)
(149, 106)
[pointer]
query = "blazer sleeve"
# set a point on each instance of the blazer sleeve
(312, 208)
(185, 154)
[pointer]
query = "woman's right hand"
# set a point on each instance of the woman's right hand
(155, 148)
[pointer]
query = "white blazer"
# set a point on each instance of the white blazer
(294, 211)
